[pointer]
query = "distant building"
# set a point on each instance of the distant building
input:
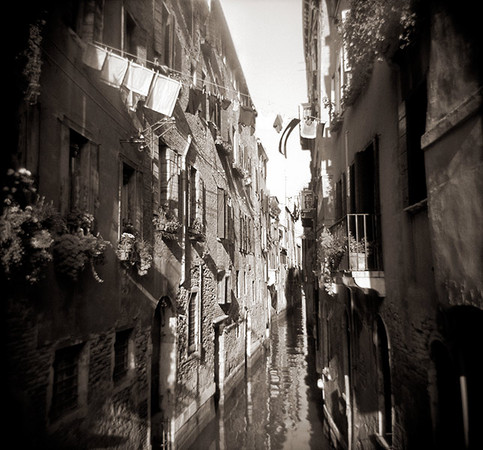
(135, 121)
(392, 219)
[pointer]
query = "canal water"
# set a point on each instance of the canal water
(277, 405)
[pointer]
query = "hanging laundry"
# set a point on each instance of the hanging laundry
(278, 123)
(138, 78)
(225, 103)
(308, 129)
(247, 116)
(94, 56)
(307, 144)
(163, 95)
(194, 101)
(130, 98)
(114, 70)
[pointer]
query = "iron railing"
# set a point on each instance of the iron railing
(361, 234)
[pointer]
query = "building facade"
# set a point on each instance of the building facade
(392, 217)
(135, 224)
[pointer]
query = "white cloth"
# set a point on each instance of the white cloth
(94, 56)
(308, 129)
(138, 78)
(114, 70)
(163, 95)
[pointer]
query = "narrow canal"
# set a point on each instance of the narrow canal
(277, 405)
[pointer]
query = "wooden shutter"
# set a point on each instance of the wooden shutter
(221, 213)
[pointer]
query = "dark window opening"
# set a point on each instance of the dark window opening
(416, 105)
(66, 380)
(121, 354)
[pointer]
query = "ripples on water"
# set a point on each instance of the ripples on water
(277, 405)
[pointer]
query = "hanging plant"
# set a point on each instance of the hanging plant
(134, 252)
(77, 247)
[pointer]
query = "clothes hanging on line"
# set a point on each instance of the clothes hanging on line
(163, 95)
(138, 79)
(114, 70)
(94, 56)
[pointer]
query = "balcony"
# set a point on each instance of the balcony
(307, 208)
(361, 264)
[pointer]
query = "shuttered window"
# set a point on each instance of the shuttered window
(221, 210)
(83, 173)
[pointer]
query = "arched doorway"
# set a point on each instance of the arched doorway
(163, 373)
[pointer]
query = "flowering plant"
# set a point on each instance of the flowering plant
(33, 233)
(77, 246)
(166, 223)
(26, 229)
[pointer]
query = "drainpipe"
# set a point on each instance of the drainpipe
(184, 207)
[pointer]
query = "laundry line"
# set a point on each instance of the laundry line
(156, 66)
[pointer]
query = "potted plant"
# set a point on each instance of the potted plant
(134, 252)
(167, 224)
(331, 247)
(196, 230)
(77, 247)
(358, 253)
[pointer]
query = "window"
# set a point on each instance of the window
(166, 43)
(221, 210)
(65, 388)
(196, 199)
(121, 354)
(169, 178)
(416, 105)
(193, 322)
(131, 199)
(83, 173)
(224, 287)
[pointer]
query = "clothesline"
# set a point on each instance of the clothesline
(156, 65)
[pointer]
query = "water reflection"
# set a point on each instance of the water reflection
(277, 405)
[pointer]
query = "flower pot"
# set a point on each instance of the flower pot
(358, 261)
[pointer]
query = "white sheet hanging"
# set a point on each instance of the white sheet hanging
(163, 95)
(138, 78)
(114, 70)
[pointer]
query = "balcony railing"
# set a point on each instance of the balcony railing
(362, 236)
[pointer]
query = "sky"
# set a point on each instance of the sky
(269, 43)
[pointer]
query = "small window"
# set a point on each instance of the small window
(65, 389)
(193, 322)
(131, 200)
(121, 354)
(221, 210)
